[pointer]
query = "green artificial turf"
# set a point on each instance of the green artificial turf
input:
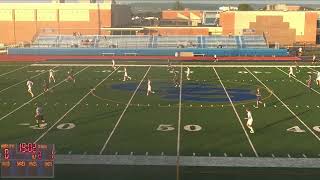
(103, 122)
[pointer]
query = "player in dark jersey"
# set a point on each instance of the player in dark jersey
(175, 79)
(45, 86)
(309, 82)
(39, 116)
(169, 65)
(71, 76)
(258, 95)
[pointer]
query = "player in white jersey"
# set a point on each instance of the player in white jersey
(215, 58)
(291, 72)
(29, 85)
(188, 73)
(125, 77)
(314, 59)
(114, 65)
(149, 90)
(318, 78)
(249, 121)
(51, 76)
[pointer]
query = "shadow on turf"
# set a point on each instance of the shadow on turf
(280, 121)
(288, 98)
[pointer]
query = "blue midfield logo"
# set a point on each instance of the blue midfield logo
(191, 92)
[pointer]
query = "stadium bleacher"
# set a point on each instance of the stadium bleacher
(145, 41)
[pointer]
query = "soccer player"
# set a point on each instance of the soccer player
(314, 59)
(309, 81)
(318, 78)
(291, 72)
(169, 65)
(51, 76)
(125, 77)
(215, 58)
(249, 121)
(39, 116)
(149, 88)
(188, 73)
(297, 67)
(45, 86)
(29, 85)
(259, 101)
(175, 79)
(114, 65)
(71, 76)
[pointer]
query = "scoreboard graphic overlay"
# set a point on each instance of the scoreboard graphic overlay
(27, 160)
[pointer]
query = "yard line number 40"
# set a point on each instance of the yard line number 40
(297, 129)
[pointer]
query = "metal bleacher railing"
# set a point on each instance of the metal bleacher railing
(146, 41)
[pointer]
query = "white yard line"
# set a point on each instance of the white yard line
(24, 81)
(311, 68)
(165, 65)
(306, 126)
(124, 111)
(235, 111)
(3, 117)
(179, 128)
(14, 70)
(298, 80)
(74, 106)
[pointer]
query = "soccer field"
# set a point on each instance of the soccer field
(203, 117)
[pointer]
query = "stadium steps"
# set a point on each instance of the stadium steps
(150, 43)
(204, 42)
(238, 40)
(155, 41)
(200, 42)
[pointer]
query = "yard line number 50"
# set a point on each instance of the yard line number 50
(169, 127)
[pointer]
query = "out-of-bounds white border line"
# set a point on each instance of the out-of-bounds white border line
(199, 161)
(235, 111)
(3, 117)
(179, 128)
(298, 81)
(24, 80)
(123, 112)
(164, 65)
(74, 106)
(305, 125)
(16, 70)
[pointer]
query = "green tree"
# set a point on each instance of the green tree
(245, 7)
(178, 5)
